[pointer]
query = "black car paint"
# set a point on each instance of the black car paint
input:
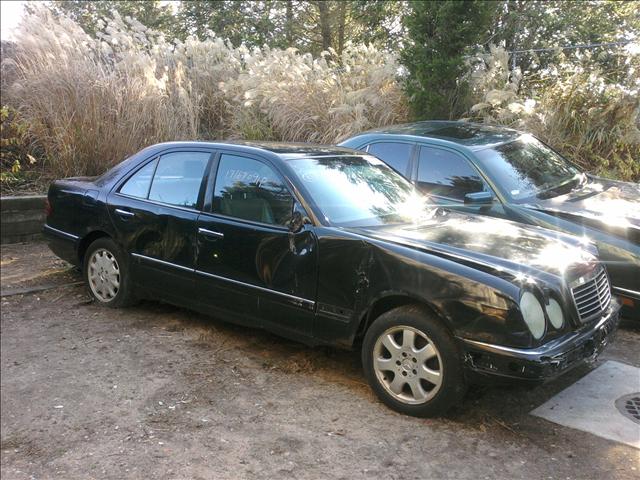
(322, 284)
(581, 212)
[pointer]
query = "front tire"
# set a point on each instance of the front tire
(412, 363)
(106, 274)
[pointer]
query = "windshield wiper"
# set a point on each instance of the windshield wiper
(549, 191)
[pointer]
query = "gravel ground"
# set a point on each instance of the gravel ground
(159, 392)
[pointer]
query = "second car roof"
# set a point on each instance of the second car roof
(471, 135)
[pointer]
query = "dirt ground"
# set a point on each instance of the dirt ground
(159, 392)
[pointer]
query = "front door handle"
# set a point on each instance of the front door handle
(210, 233)
(125, 213)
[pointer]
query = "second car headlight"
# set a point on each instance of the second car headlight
(554, 311)
(532, 314)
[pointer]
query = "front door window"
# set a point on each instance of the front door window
(251, 190)
(446, 174)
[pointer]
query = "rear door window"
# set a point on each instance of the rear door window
(447, 174)
(395, 154)
(178, 178)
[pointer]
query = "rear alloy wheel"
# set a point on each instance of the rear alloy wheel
(103, 275)
(106, 274)
(412, 363)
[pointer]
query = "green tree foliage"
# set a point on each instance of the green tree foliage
(330, 24)
(310, 26)
(529, 24)
(440, 34)
(87, 13)
(251, 23)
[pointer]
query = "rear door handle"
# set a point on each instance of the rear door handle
(125, 213)
(210, 233)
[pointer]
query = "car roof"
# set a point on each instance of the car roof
(277, 151)
(471, 135)
(281, 149)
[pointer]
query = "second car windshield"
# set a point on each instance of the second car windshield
(527, 168)
(360, 191)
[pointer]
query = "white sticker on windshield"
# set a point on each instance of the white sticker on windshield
(515, 192)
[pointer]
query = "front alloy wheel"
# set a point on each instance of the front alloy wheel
(408, 365)
(412, 363)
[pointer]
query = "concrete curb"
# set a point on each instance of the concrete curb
(10, 292)
(21, 218)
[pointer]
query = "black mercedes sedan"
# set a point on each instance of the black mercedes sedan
(330, 246)
(504, 173)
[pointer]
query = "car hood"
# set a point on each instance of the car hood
(602, 204)
(493, 243)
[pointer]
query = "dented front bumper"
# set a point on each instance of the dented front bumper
(487, 361)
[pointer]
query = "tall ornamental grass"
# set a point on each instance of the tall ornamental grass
(575, 108)
(90, 102)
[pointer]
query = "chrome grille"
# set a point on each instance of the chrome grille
(593, 296)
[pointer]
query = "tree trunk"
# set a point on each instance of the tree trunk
(342, 18)
(325, 24)
(289, 24)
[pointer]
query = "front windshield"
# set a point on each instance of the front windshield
(527, 168)
(360, 191)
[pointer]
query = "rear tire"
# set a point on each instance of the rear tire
(412, 363)
(106, 272)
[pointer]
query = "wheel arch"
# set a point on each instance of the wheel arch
(88, 240)
(389, 301)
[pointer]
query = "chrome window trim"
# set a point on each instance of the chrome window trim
(154, 202)
(241, 222)
(70, 236)
(294, 156)
(299, 300)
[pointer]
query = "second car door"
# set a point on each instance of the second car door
(249, 264)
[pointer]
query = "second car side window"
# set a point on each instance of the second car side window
(251, 190)
(394, 154)
(178, 178)
(447, 174)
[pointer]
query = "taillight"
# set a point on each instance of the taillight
(48, 210)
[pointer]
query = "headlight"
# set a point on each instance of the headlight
(533, 314)
(554, 311)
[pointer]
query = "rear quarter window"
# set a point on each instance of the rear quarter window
(138, 185)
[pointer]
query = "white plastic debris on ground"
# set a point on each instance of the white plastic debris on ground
(589, 404)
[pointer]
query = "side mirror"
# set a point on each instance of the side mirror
(297, 222)
(478, 198)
